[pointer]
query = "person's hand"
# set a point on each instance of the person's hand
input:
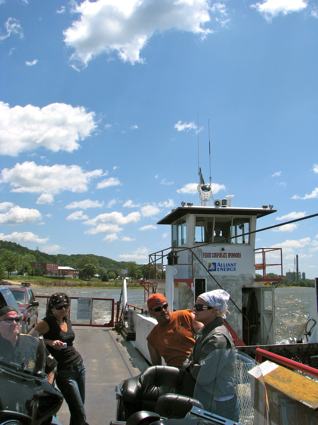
(58, 344)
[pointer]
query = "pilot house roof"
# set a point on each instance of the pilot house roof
(180, 212)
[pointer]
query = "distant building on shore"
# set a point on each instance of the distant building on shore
(54, 270)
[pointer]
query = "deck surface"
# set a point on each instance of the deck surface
(108, 360)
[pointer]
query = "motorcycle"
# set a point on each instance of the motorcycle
(165, 394)
(158, 396)
(26, 396)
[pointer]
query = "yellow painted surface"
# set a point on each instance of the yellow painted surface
(294, 386)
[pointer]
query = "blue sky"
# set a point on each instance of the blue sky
(104, 112)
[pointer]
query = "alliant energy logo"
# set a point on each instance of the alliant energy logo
(222, 267)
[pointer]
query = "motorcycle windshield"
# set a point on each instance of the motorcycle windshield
(27, 355)
(24, 389)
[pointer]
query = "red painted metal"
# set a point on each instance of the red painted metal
(238, 342)
(292, 364)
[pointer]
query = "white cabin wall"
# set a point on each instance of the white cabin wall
(143, 326)
(252, 229)
(190, 229)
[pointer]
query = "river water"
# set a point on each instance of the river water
(292, 304)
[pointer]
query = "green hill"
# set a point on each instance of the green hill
(76, 261)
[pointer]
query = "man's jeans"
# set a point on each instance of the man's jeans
(71, 383)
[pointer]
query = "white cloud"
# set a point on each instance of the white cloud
(56, 127)
(31, 63)
(311, 195)
(5, 205)
(12, 27)
(286, 228)
(84, 205)
(272, 8)
(291, 216)
(13, 214)
(149, 210)
(111, 237)
(111, 223)
(192, 188)
(134, 127)
(291, 244)
(126, 26)
(77, 216)
(23, 237)
(45, 198)
(294, 215)
(127, 239)
(111, 203)
(148, 227)
(104, 228)
(277, 174)
(220, 13)
(185, 126)
(139, 256)
(315, 168)
(51, 249)
(166, 204)
(130, 204)
(61, 10)
(29, 177)
(110, 182)
(115, 217)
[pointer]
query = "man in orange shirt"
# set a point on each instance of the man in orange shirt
(173, 337)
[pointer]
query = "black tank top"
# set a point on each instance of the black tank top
(68, 356)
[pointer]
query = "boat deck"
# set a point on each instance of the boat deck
(108, 360)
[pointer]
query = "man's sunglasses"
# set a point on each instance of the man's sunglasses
(59, 307)
(12, 319)
(160, 308)
(201, 307)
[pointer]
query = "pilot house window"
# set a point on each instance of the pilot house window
(233, 230)
(179, 234)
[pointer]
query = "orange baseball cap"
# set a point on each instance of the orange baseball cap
(156, 299)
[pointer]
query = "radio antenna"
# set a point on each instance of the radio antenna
(210, 177)
(205, 190)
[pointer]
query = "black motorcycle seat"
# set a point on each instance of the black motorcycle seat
(141, 392)
(143, 417)
(175, 405)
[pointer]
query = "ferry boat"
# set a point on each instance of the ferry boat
(213, 246)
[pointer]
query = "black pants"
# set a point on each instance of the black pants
(71, 383)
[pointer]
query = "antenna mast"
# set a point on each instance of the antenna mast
(205, 190)
(210, 153)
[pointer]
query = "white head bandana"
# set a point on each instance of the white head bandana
(217, 299)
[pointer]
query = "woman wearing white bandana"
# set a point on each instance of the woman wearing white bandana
(211, 365)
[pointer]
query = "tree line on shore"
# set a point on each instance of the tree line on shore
(16, 259)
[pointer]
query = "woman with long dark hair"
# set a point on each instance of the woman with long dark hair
(58, 334)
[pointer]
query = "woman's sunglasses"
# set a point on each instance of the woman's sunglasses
(201, 307)
(160, 308)
(59, 307)
(12, 319)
